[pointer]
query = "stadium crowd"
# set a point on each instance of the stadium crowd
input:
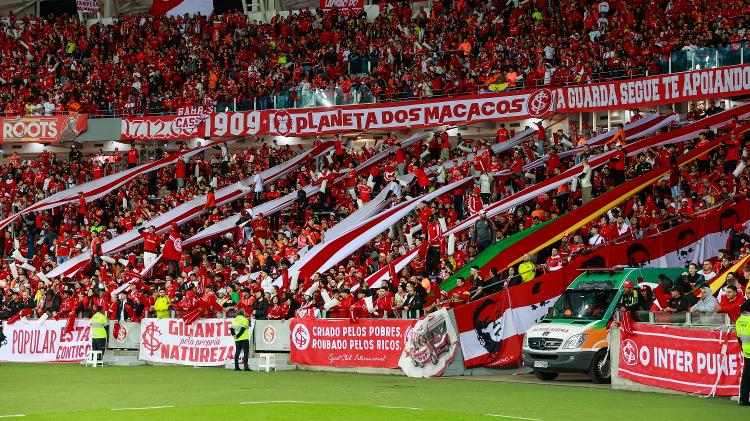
(234, 270)
(148, 65)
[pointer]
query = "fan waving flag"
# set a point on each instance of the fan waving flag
(174, 8)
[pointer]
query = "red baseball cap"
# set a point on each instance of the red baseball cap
(627, 284)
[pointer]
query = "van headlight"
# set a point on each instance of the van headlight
(525, 341)
(575, 341)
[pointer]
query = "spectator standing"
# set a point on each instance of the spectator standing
(133, 157)
(585, 178)
(483, 234)
(75, 156)
(413, 302)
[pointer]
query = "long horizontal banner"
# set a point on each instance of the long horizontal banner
(207, 342)
(506, 106)
(331, 120)
(655, 90)
(687, 360)
(42, 129)
(374, 343)
(32, 342)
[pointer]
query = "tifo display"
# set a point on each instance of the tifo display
(547, 190)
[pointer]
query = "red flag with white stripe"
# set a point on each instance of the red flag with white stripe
(492, 328)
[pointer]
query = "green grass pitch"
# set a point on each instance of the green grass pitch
(72, 392)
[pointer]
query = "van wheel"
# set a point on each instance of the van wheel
(600, 372)
(545, 375)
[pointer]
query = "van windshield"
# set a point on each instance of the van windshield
(589, 304)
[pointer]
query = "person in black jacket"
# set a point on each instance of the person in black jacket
(123, 302)
(260, 306)
(513, 278)
(52, 302)
(12, 307)
(680, 301)
(413, 302)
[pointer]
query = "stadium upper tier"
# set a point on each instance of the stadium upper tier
(147, 64)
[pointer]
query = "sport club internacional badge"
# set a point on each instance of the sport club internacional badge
(540, 103)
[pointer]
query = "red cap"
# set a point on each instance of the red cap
(627, 284)
(739, 227)
(476, 190)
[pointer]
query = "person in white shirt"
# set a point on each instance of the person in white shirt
(49, 108)
(708, 270)
(485, 186)
(595, 238)
(585, 178)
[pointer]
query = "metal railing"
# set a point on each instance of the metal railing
(685, 318)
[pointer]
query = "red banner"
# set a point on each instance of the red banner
(341, 4)
(374, 343)
(506, 106)
(692, 361)
(656, 90)
(42, 129)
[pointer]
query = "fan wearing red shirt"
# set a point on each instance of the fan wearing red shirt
(383, 303)
(173, 250)
(210, 199)
(62, 248)
(460, 294)
(151, 243)
(474, 202)
(364, 192)
(345, 303)
(133, 156)
(179, 173)
(503, 134)
(730, 303)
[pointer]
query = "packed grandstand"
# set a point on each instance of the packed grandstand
(401, 223)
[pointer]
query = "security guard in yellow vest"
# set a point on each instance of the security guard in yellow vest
(99, 324)
(743, 335)
(241, 332)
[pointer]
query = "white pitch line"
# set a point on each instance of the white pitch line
(267, 402)
(142, 408)
(512, 417)
(12, 416)
(401, 407)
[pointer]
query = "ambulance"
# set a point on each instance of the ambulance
(574, 336)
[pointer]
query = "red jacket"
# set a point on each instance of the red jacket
(150, 242)
(173, 246)
(732, 308)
